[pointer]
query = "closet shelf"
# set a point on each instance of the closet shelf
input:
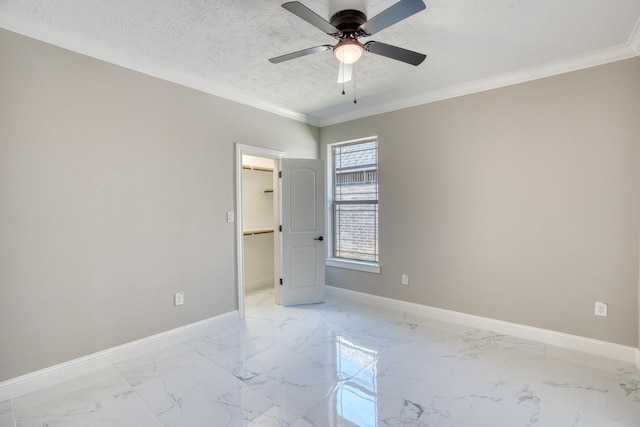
(257, 231)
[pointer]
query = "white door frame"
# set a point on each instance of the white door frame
(242, 149)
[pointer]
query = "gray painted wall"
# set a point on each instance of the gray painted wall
(520, 204)
(113, 192)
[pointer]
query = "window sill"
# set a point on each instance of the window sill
(369, 267)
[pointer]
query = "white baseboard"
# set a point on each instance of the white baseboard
(54, 374)
(560, 339)
(258, 284)
(46, 377)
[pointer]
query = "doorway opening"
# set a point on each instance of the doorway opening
(258, 220)
(257, 213)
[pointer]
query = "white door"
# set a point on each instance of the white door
(303, 252)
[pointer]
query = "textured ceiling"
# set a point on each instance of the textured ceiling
(223, 46)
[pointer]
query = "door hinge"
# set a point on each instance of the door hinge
(279, 174)
(280, 228)
(280, 281)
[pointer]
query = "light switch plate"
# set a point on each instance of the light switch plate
(178, 298)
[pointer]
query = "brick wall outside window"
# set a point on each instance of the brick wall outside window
(355, 202)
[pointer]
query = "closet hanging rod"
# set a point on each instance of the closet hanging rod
(255, 233)
(257, 168)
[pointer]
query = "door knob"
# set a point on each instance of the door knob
(319, 238)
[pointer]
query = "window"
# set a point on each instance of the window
(354, 202)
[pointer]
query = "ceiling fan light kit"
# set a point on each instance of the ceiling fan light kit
(347, 26)
(348, 51)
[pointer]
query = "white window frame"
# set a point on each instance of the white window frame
(366, 266)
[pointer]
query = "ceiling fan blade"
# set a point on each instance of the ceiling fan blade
(394, 52)
(344, 72)
(303, 12)
(298, 54)
(392, 15)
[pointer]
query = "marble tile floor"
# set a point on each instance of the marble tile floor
(334, 364)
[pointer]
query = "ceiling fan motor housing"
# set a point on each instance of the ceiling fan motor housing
(348, 21)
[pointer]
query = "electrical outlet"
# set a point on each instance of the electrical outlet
(405, 279)
(178, 298)
(601, 309)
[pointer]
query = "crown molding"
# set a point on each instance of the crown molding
(576, 63)
(74, 44)
(63, 40)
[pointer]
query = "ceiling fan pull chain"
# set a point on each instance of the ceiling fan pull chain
(355, 101)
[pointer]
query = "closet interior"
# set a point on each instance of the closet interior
(258, 223)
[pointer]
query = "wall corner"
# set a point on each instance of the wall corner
(634, 38)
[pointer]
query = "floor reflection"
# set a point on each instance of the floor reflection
(315, 366)
(356, 393)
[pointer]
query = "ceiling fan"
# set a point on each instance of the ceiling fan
(347, 26)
